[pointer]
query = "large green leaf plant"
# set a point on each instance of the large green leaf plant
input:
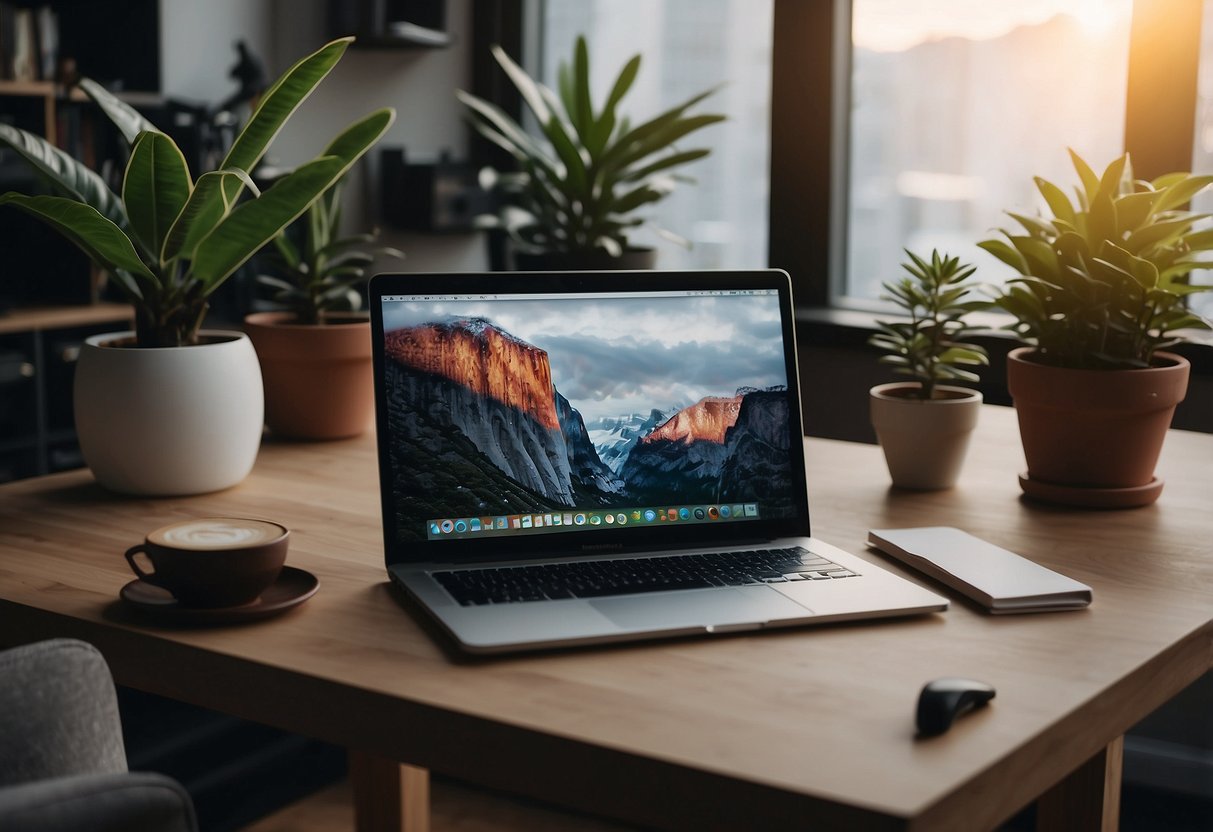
(1105, 278)
(580, 184)
(167, 239)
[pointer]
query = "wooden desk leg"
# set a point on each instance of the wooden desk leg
(389, 796)
(1089, 799)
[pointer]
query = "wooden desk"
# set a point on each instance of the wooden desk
(780, 730)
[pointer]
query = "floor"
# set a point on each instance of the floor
(459, 808)
(453, 808)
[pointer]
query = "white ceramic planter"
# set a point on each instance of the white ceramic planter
(924, 441)
(172, 420)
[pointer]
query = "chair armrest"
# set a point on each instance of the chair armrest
(58, 713)
(98, 803)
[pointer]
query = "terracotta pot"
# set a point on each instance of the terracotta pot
(1094, 432)
(561, 261)
(166, 421)
(924, 440)
(318, 378)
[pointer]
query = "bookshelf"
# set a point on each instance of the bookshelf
(49, 292)
(45, 93)
(38, 349)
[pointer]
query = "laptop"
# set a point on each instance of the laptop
(591, 457)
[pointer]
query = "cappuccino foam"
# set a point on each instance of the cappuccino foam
(217, 534)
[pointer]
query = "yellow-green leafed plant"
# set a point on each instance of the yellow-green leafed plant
(580, 184)
(928, 347)
(167, 239)
(1104, 279)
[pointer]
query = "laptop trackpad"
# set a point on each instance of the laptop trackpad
(700, 607)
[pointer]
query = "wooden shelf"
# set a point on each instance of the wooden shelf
(33, 318)
(32, 89)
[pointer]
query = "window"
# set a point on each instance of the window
(688, 46)
(954, 106)
(1202, 146)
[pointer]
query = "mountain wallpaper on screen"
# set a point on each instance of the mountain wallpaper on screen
(478, 428)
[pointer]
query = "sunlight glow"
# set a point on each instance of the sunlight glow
(896, 25)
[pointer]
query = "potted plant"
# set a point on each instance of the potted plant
(316, 354)
(1100, 298)
(574, 200)
(169, 408)
(923, 425)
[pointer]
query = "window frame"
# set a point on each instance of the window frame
(810, 126)
(810, 92)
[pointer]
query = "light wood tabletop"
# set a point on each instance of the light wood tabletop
(809, 728)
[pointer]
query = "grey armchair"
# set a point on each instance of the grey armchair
(62, 761)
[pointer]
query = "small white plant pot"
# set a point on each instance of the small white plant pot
(172, 420)
(924, 441)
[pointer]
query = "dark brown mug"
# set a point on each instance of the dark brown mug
(213, 561)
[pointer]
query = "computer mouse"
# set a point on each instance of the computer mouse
(942, 700)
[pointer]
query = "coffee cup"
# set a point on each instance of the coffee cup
(213, 561)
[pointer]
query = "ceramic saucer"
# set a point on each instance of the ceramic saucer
(293, 587)
(1070, 495)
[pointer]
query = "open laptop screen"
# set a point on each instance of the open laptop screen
(574, 415)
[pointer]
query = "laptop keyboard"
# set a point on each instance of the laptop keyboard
(595, 579)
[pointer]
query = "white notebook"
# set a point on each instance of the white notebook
(999, 580)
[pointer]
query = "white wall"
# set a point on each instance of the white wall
(197, 52)
(419, 83)
(197, 44)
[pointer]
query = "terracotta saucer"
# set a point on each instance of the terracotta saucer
(293, 587)
(1072, 495)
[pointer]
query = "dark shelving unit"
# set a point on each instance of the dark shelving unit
(391, 24)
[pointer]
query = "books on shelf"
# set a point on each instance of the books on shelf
(29, 42)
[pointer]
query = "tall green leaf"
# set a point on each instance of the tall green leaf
(1056, 198)
(646, 131)
(1090, 182)
(96, 236)
(583, 116)
(278, 103)
(255, 222)
(527, 87)
(204, 209)
(1132, 210)
(1162, 233)
(353, 141)
(1006, 254)
(1110, 182)
(668, 161)
(664, 137)
(66, 175)
(127, 119)
(493, 123)
(1199, 240)
(1180, 193)
(622, 84)
(569, 153)
(564, 85)
(155, 189)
